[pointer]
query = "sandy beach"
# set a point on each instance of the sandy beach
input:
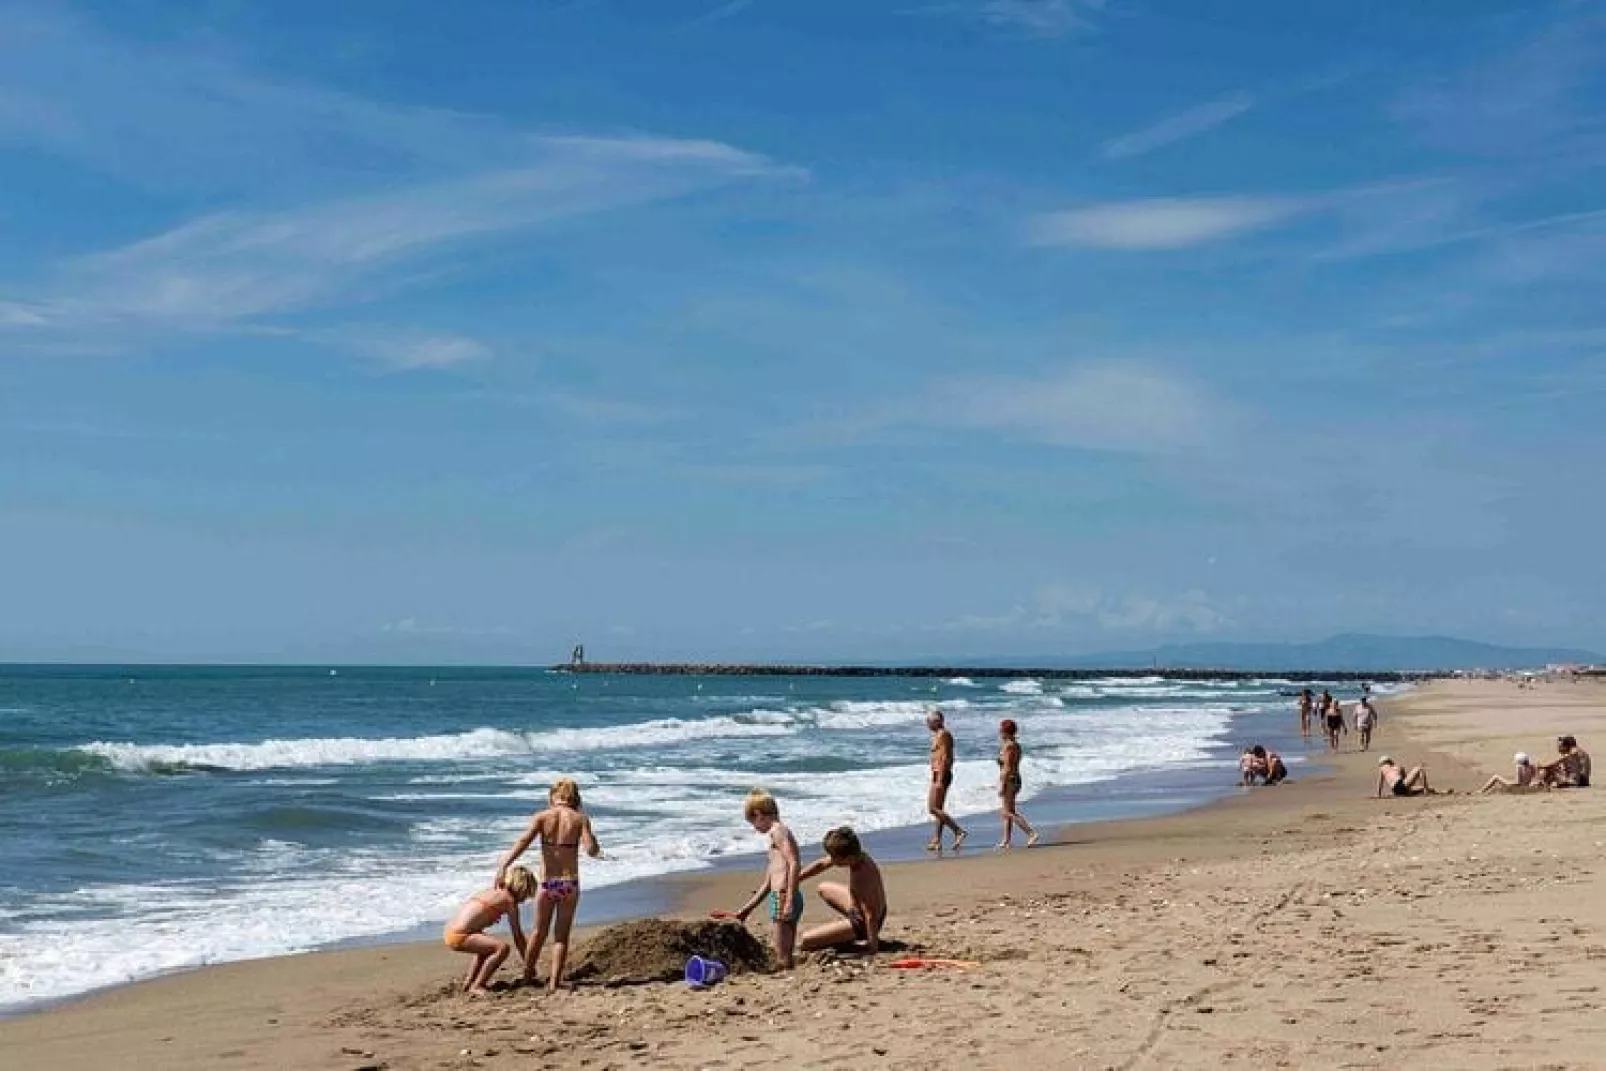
(1308, 925)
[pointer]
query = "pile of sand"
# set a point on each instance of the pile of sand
(656, 950)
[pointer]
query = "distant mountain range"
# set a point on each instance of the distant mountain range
(1354, 651)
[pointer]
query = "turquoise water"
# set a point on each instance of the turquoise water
(158, 818)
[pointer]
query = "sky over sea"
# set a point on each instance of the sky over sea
(401, 331)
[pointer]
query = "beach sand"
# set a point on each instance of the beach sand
(1308, 925)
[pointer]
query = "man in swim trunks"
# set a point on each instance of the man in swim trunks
(862, 902)
(942, 777)
(1399, 783)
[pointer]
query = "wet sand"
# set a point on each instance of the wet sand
(1308, 925)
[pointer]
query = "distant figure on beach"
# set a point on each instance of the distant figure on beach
(1306, 703)
(563, 829)
(1571, 770)
(466, 931)
(1009, 784)
(1400, 783)
(1260, 766)
(1365, 721)
(1333, 720)
(862, 902)
(780, 875)
(1251, 770)
(1526, 779)
(942, 778)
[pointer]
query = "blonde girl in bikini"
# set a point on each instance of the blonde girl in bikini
(466, 931)
(563, 829)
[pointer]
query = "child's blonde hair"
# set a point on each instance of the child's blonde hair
(760, 802)
(842, 843)
(520, 882)
(565, 791)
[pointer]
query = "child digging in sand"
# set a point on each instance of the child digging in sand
(466, 931)
(563, 829)
(862, 902)
(780, 875)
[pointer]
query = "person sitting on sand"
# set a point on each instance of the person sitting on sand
(780, 875)
(563, 829)
(942, 778)
(1260, 766)
(1276, 769)
(1571, 770)
(1400, 783)
(1365, 721)
(862, 902)
(1251, 768)
(466, 931)
(1526, 779)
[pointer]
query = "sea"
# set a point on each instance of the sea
(160, 818)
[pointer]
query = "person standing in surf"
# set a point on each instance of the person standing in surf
(1306, 703)
(942, 778)
(1009, 784)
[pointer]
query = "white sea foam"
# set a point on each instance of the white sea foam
(1028, 686)
(959, 682)
(481, 743)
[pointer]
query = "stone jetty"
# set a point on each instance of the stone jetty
(738, 669)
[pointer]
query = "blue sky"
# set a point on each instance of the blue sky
(786, 329)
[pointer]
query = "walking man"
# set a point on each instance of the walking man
(942, 776)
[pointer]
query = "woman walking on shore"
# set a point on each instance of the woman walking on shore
(1009, 784)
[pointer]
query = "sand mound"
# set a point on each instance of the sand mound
(656, 950)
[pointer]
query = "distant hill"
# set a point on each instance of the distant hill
(1353, 651)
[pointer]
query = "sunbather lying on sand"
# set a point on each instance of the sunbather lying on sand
(1398, 782)
(1525, 781)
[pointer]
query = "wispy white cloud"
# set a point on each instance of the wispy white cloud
(1161, 222)
(405, 351)
(1190, 611)
(722, 12)
(1035, 18)
(1060, 606)
(225, 268)
(1179, 127)
(1525, 98)
(1105, 405)
(190, 117)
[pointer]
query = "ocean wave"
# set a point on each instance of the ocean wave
(1028, 686)
(483, 743)
(959, 682)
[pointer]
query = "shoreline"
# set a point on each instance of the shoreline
(1168, 792)
(1402, 930)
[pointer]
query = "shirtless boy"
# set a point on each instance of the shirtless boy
(862, 902)
(942, 776)
(780, 876)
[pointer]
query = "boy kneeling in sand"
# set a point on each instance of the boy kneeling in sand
(862, 902)
(780, 876)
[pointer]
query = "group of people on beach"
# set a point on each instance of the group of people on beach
(564, 831)
(942, 779)
(1571, 769)
(1326, 714)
